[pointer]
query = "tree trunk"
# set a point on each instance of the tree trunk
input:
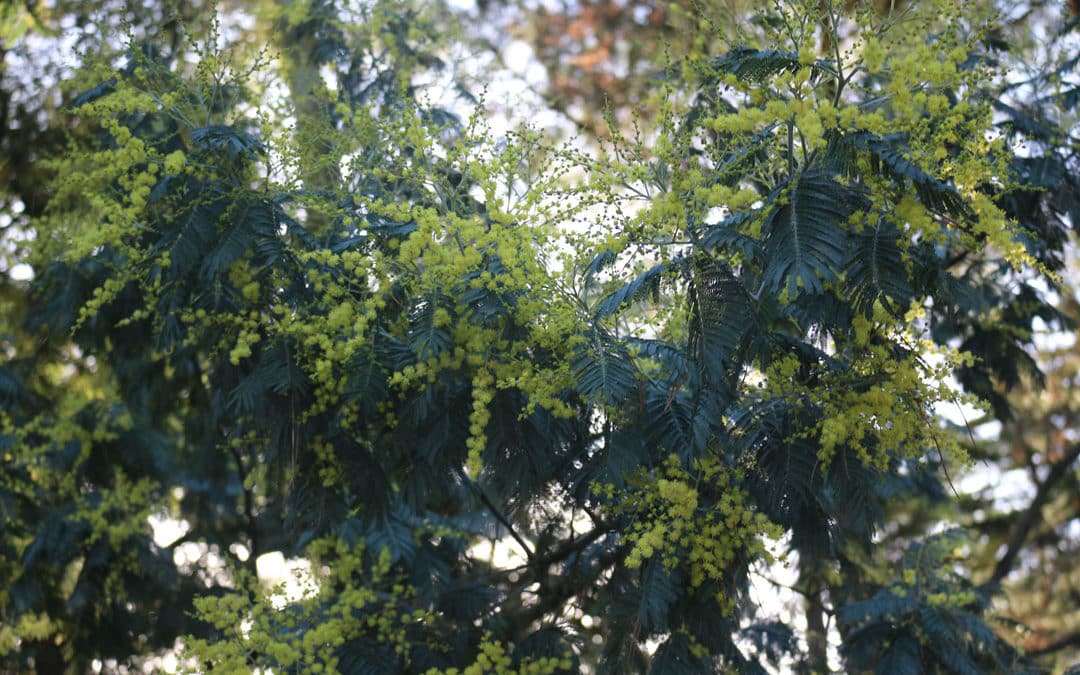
(817, 641)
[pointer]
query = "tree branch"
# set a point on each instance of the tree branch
(576, 544)
(1030, 518)
(503, 520)
(555, 591)
(1061, 642)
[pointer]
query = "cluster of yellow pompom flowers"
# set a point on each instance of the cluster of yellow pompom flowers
(672, 520)
(493, 659)
(482, 395)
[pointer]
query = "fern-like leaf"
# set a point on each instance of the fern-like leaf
(548, 641)
(188, 240)
(673, 361)
(392, 532)
(675, 658)
(876, 270)
(604, 373)
(949, 647)
(903, 657)
(600, 262)
(727, 235)
(758, 65)
(468, 600)
(235, 239)
(884, 605)
(645, 285)
(426, 337)
(863, 644)
(804, 245)
(727, 326)
(888, 154)
(658, 591)
(228, 139)
(771, 639)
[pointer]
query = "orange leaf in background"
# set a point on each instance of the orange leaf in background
(591, 59)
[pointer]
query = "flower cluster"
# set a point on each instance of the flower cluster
(697, 519)
(357, 596)
(482, 396)
(492, 658)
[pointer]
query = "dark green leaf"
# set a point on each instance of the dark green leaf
(876, 270)
(647, 284)
(757, 65)
(903, 657)
(804, 233)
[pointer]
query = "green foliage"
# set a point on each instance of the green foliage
(761, 65)
(929, 615)
(802, 233)
(346, 341)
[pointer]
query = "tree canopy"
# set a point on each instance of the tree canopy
(515, 405)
